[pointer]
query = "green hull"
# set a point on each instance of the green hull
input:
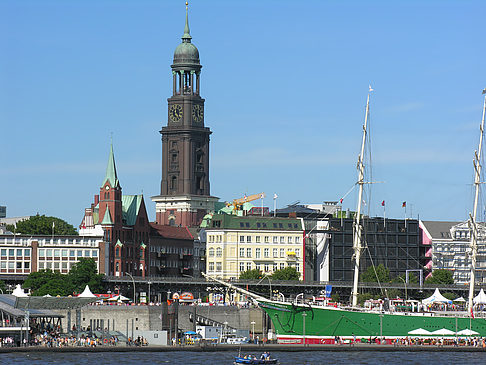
(324, 323)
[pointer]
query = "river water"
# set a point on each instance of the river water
(210, 358)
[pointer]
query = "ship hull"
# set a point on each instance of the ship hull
(323, 324)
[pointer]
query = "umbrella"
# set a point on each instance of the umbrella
(467, 332)
(419, 331)
(443, 332)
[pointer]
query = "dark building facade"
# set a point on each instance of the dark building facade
(394, 243)
(185, 192)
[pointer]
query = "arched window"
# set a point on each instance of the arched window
(219, 252)
(173, 182)
(211, 252)
(117, 252)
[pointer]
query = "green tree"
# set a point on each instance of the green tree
(382, 275)
(412, 279)
(83, 273)
(3, 287)
(449, 295)
(364, 297)
(42, 225)
(251, 275)
(441, 276)
(45, 282)
(289, 273)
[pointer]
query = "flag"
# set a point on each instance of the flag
(275, 196)
(484, 91)
(53, 224)
(370, 88)
(383, 203)
(404, 204)
(341, 201)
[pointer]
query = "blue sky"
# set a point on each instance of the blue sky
(285, 84)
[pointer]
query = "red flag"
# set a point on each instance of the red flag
(383, 203)
(341, 201)
(404, 204)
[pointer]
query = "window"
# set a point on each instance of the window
(242, 239)
(297, 252)
(282, 239)
(211, 252)
(266, 267)
(219, 252)
(219, 267)
(42, 252)
(57, 253)
(275, 252)
(26, 265)
(247, 225)
(27, 252)
(297, 266)
(19, 252)
(19, 265)
(267, 239)
(64, 253)
(80, 253)
(242, 266)
(275, 239)
(86, 253)
(257, 266)
(282, 266)
(248, 252)
(211, 266)
(56, 266)
(282, 252)
(248, 239)
(242, 225)
(4, 252)
(274, 266)
(49, 252)
(11, 252)
(11, 265)
(242, 252)
(290, 239)
(248, 266)
(94, 253)
(257, 253)
(297, 239)
(71, 253)
(257, 239)
(266, 253)
(64, 265)
(41, 266)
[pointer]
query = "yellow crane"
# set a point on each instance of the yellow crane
(237, 203)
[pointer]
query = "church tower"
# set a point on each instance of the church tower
(184, 193)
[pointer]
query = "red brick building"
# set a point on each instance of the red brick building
(123, 222)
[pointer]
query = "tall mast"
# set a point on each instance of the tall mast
(357, 227)
(472, 218)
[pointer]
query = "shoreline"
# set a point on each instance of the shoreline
(246, 348)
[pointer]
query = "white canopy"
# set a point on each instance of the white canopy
(420, 332)
(19, 292)
(437, 297)
(86, 293)
(480, 298)
(467, 332)
(460, 299)
(444, 332)
(119, 298)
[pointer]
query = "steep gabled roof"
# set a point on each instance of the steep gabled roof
(110, 174)
(130, 208)
(181, 233)
(107, 218)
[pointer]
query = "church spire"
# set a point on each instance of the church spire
(187, 36)
(110, 175)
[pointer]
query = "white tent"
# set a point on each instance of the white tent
(460, 299)
(19, 292)
(437, 297)
(480, 298)
(443, 332)
(419, 332)
(86, 293)
(118, 298)
(467, 332)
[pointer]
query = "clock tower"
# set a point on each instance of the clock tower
(184, 192)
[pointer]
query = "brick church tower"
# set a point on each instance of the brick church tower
(184, 193)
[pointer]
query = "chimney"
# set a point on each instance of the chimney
(96, 199)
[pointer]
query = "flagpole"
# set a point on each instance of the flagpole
(275, 196)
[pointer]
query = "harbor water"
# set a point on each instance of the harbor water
(210, 358)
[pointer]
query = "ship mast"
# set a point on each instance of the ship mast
(472, 217)
(357, 227)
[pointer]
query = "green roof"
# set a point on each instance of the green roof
(107, 217)
(130, 208)
(226, 221)
(110, 175)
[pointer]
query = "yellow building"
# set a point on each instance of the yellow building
(237, 244)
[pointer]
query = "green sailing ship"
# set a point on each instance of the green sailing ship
(318, 324)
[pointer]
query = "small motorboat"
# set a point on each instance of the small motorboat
(263, 360)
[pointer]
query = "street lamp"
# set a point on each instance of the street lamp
(133, 281)
(404, 282)
(304, 314)
(252, 330)
(149, 283)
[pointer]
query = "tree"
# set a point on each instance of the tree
(45, 282)
(251, 275)
(441, 276)
(3, 287)
(289, 273)
(42, 225)
(83, 273)
(382, 275)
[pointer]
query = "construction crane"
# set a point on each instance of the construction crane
(238, 203)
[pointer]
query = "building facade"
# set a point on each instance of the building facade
(237, 244)
(185, 192)
(23, 254)
(449, 244)
(123, 222)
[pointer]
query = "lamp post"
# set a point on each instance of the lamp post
(252, 330)
(304, 314)
(149, 283)
(133, 281)
(404, 282)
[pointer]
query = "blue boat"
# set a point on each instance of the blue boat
(255, 361)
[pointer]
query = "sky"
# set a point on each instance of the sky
(285, 84)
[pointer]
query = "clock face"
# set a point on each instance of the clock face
(198, 113)
(175, 112)
(107, 187)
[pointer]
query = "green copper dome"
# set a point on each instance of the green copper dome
(186, 52)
